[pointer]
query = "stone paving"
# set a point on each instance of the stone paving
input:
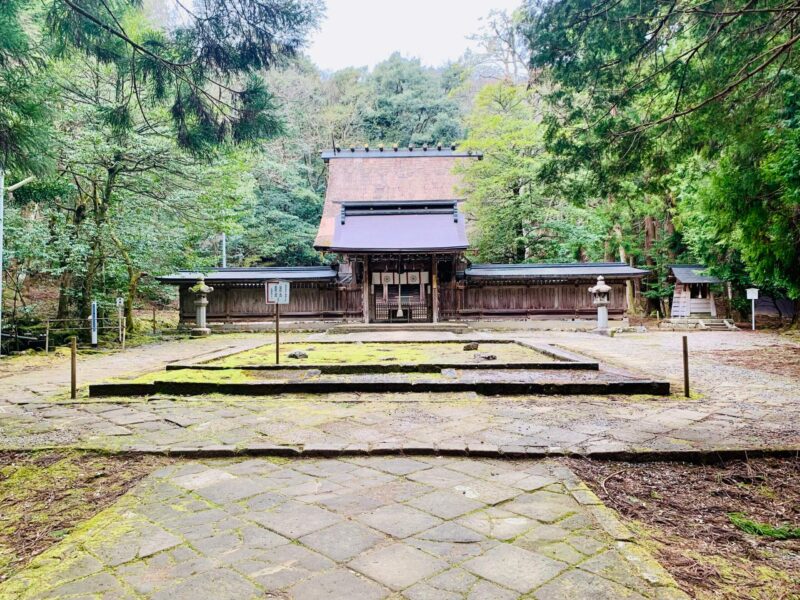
(401, 526)
(417, 528)
(734, 408)
(29, 384)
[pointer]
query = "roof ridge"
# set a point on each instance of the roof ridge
(261, 268)
(543, 265)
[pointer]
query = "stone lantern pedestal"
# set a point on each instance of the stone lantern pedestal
(201, 303)
(600, 299)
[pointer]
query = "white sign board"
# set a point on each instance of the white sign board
(93, 321)
(752, 293)
(120, 302)
(277, 292)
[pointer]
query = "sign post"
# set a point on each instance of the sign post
(120, 308)
(277, 294)
(752, 295)
(73, 370)
(686, 366)
(93, 319)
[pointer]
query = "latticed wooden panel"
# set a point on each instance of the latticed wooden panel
(412, 311)
(419, 311)
(381, 310)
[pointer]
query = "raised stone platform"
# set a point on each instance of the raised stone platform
(524, 369)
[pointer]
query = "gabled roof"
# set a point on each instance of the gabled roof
(692, 274)
(253, 274)
(387, 226)
(554, 271)
(387, 176)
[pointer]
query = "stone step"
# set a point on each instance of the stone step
(485, 388)
(450, 327)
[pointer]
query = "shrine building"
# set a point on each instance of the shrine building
(394, 226)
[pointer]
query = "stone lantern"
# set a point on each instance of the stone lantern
(202, 290)
(599, 294)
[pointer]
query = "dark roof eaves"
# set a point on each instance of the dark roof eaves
(550, 271)
(252, 274)
(389, 153)
(391, 250)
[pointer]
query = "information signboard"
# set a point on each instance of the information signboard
(93, 323)
(752, 295)
(277, 292)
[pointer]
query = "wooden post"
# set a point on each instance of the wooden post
(435, 288)
(365, 290)
(685, 366)
(277, 333)
(124, 331)
(73, 387)
(47, 338)
(154, 319)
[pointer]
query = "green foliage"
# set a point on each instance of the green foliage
(23, 94)
(409, 105)
(674, 113)
(207, 68)
(783, 532)
(516, 218)
(146, 124)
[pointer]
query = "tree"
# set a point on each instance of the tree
(504, 53)
(516, 218)
(143, 111)
(206, 69)
(625, 50)
(673, 110)
(408, 105)
(749, 205)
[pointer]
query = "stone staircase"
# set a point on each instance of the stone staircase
(697, 324)
(717, 325)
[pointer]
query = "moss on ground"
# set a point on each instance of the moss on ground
(381, 353)
(44, 495)
(190, 375)
(734, 576)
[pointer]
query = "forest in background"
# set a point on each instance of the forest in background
(647, 132)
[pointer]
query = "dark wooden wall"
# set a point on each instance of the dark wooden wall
(561, 299)
(309, 300)
(236, 302)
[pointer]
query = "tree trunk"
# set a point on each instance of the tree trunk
(669, 230)
(649, 239)
(87, 287)
(133, 285)
(134, 275)
(795, 324)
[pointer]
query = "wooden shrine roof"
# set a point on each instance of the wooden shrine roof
(401, 227)
(370, 176)
(254, 274)
(692, 274)
(555, 271)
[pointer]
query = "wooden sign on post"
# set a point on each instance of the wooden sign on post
(277, 294)
(752, 295)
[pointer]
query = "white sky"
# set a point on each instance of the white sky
(358, 33)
